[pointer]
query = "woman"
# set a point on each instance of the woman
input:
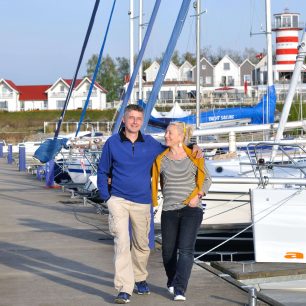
(184, 182)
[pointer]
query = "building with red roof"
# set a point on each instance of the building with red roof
(50, 97)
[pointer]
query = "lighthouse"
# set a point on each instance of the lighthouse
(286, 27)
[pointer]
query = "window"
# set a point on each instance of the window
(230, 81)
(201, 80)
(295, 21)
(226, 66)
(4, 90)
(223, 81)
(278, 21)
(203, 67)
(62, 88)
(189, 75)
(45, 104)
(166, 95)
(60, 104)
(148, 95)
(286, 21)
(181, 94)
(247, 77)
(208, 80)
(3, 104)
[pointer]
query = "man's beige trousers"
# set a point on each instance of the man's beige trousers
(131, 255)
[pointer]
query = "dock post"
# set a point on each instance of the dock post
(22, 158)
(1, 149)
(10, 154)
(50, 174)
(252, 297)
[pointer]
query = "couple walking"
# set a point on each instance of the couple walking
(133, 162)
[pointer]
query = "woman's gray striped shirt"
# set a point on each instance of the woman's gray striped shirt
(178, 181)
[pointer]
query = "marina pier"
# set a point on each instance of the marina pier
(55, 251)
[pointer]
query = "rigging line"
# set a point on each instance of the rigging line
(226, 202)
(91, 22)
(225, 211)
(95, 72)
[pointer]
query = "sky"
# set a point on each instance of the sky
(41, 40)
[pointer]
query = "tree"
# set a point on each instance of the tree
(176, 58)
(123, 68)
(107, 76)
(146, 63)
(251, 53)
(190, 57)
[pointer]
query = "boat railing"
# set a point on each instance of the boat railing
(289, 158)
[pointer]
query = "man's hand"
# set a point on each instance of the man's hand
(196, 150)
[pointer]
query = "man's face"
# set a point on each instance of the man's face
(133, 121)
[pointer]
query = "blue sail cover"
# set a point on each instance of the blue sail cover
(49, 149)
(259, 114)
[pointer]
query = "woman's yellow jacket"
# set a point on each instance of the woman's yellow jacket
(200, 177)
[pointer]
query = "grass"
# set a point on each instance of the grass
(18, 126)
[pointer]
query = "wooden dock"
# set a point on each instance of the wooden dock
(54, 251)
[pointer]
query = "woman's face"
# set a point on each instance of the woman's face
(172, 136)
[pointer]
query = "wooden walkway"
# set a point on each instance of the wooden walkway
(54, 251)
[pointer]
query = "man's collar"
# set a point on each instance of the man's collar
(124, 138)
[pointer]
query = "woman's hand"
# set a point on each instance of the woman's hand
(194, 202)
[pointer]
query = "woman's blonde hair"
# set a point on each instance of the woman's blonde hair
(184, 129)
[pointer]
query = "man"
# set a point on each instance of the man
(126, 160)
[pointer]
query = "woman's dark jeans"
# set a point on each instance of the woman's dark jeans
(179, 231)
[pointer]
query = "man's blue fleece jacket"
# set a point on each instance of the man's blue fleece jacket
(129, 167)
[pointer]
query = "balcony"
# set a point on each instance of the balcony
(6, 95)
(59, 94)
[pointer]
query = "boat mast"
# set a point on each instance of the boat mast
(131, 14)
(197, 6)
(139, 46)
(269, 56)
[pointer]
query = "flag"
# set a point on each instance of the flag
(245, 87)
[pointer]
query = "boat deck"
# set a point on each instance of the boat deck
(56, 251)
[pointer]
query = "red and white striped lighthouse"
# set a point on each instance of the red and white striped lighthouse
(286, 27)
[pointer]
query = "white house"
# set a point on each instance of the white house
(172, 74)
(185, 72)
(9, 96)
(50, 97)
(226, 73)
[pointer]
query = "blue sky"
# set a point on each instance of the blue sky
(41, 39)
